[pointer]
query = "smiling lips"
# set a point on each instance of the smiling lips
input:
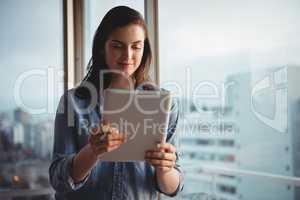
(125, 65)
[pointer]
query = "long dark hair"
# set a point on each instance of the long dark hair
(117, 17)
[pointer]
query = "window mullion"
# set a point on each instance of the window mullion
(151, 17)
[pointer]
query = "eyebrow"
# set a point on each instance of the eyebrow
(118, 41)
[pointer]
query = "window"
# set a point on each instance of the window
(31, 70)
(226, 158)
(204, 142)
(226, 189)
(227, 143)
(234, 66)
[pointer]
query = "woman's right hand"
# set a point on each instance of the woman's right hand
(105, 138)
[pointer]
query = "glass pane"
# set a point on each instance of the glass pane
(95, 11)
(234, 71)
(215, 184)
(31, 71)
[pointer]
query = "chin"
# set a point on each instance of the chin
(128, 72)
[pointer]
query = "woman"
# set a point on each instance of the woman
(121, 50)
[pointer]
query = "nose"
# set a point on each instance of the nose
(127, 53)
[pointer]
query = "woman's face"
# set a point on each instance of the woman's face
(124, 49)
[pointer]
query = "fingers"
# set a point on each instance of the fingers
(105, 139)
(108, 146)
(110, 140)
(109, 143)
(160, 159)
(160, 156)
(99, 140)
(163, 169)
(94, 130)
(161, 163)
(100, 150)
(167, 147)
(163, 157)
(117, 136)
(103, 128)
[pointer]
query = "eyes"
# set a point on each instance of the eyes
(137, 46)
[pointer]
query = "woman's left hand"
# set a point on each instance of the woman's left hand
(162, 158)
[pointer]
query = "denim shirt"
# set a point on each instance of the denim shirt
(107, 180)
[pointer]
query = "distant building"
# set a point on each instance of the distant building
(44, 138)
(259, 132)
(266, 109)
(21, 116)
(6, 133)
(24, 132)
(18, 134)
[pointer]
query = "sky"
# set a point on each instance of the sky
(31, 38)
(216, 38)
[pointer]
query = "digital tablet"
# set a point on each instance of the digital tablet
(143, 115)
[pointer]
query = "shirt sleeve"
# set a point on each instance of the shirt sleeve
(64, 149)
(77, 186)
(173, 139)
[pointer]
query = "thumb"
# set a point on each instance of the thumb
(161, 143)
